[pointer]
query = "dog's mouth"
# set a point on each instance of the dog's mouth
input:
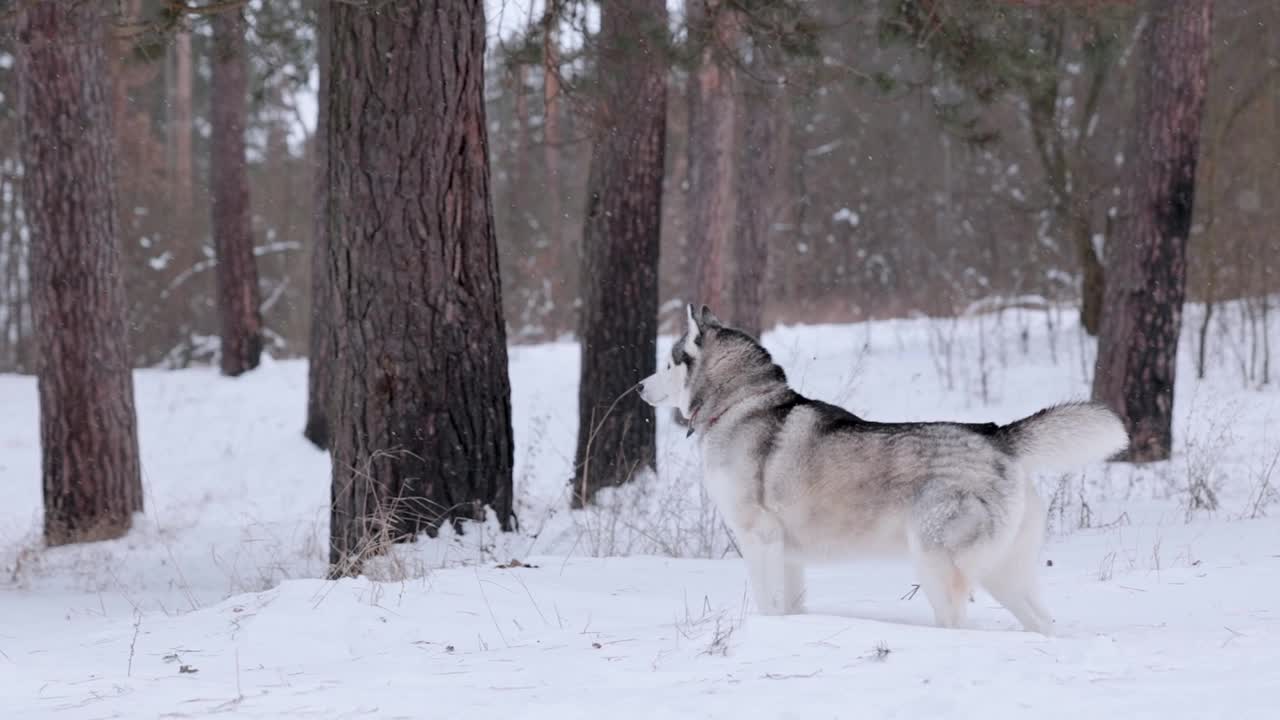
(663, 387)
(649, 395)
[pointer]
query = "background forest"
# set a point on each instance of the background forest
(918, 170)
(321, 323)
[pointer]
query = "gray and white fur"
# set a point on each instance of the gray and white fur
(799, 480)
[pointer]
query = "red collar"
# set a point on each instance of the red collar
(693, 417)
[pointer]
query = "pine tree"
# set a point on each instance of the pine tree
(420, 430)
(237, 270)
(1138, 342)
(88, 427)
(321, 351)
(624, 212)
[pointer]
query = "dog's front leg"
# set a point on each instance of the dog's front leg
(764, 551)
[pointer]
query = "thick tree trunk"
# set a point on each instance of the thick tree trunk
(712, 121)
(623, 219)
(762, 103)
(421, 423)
(237, 272)
(321, 351)
(1146, 283)
(88, 428)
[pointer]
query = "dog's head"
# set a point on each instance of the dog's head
(708, 359)
(671, 385)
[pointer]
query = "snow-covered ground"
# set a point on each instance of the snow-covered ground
(215, 603)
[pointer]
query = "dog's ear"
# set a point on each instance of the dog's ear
(709, 319)
(695, 328)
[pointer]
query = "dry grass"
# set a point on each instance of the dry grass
(669, 515)
(711, 630)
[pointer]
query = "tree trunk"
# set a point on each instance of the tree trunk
(320, 354)
(621, 236)
(180, 134)
(712, 120)
(421, 423)
(559, 247)
(237, 272)
(1093, 281)
(521, 151)
(1146, 284)
(88, 428)
(551, 122)
(762, 102)
(17, 349)
(185, 306)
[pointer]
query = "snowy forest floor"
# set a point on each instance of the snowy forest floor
(216, 602)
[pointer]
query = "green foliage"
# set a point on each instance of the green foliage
(987, 49)
(282, 44)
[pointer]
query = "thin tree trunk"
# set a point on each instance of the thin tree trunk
(551, 138)
(237, 272)
(694, 17)
(521, 150)
(762, 102)
(1202, 344)
(786, 203)
(1146, 285)
(16, 341)
(321, 350)
(88, 427)
(185, 307)
(623, 222)
(180, 132)
(421, 423)
(1093, 281)
(712, 131)
(554, 253)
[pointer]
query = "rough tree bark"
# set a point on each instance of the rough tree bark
(1146, 281)
(762, 103)
(421, 423)
(620, 273)
(320, 354)
(237, 271)
(88, 427)
(712, 128)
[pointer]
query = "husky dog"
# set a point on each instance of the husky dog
(799, 480)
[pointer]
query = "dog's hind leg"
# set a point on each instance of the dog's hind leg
(1014, 587)
(1012, 581)
(946, 587)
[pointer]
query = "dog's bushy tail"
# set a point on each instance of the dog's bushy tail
(1064, 437)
